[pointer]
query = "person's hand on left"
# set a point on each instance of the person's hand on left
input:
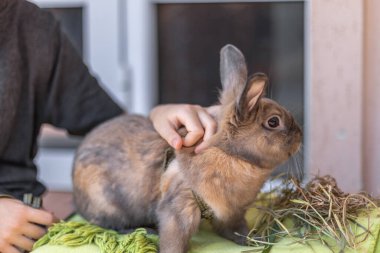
(21, 225)
(198, 121)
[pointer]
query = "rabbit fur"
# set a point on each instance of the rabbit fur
(119, 180)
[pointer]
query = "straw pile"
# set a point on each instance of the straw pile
(317, 211)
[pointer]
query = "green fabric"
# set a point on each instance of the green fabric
(205, 241)
(88, 248)
(78, 233)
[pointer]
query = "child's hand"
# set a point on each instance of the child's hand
(167, 119)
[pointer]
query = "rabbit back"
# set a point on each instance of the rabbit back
(117, 173)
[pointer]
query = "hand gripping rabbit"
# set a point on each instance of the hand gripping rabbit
(120, 182)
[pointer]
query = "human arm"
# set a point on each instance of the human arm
(198, 121)
(76, 100)
(42, 80)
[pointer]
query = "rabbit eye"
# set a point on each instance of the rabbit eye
(273, 122)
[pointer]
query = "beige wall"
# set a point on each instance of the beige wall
(344, 91)
(336, 28)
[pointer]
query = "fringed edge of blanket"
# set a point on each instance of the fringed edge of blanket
(74, 233)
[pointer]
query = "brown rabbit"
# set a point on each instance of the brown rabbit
(120, 182)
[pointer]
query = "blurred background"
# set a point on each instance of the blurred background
(320, 56)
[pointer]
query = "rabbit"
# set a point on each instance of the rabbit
(120, 181)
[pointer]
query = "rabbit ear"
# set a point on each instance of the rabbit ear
(254, 90)
(233, 71)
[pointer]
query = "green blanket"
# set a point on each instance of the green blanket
(206, 241)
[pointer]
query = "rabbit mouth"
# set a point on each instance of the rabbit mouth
(295, 147)
(294, 141)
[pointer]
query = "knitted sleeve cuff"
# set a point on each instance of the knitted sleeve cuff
(2, 195)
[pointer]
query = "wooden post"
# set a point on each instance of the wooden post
(371, 103)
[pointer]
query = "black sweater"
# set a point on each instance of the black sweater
(42, 80)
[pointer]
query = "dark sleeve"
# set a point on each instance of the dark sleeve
(75, 100)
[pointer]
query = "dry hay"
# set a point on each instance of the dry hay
(317, 211)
